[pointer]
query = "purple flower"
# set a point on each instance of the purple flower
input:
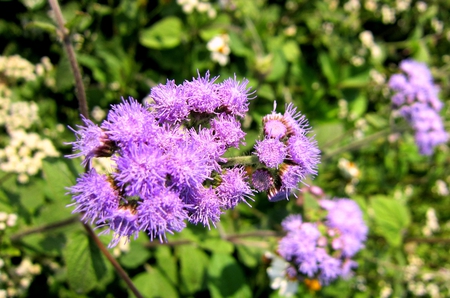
(346, 216)
(234, 188)
(330, 268)
(140, 169)
(129, 122)
(92, 141)
(162, 212)
(303, 151)
(234, 96)
(123, 222)
(202, 94)
(170, 103)
(206, 206)
(228, 131)
(416, 98)
(271, 152)
(94, 195)
(262, 180)
(291, 176)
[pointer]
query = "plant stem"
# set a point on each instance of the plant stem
(242, 160)
(79, 87)
(113, 261)
(83, 106)
(45, 228)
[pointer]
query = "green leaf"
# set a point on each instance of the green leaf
(291, 50)
(167, 264)
(165, 34)
(137, 255)
(153, 284)
(86, 267)
(329, 68)
(238, 47)
(32, 195)
(391, 218)
(193, 263)
(217, 245)
(326, 132)
(278, 67)
(64, 78)
(249, 255)
(58, 176)
(226, 278)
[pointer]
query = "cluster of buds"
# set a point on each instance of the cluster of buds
(169, 165)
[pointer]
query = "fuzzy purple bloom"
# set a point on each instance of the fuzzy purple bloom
(206, 207)
(262, 180)
(416, 98)
(271, 152)
(129, 122)
(123, 222)
(228, 131)
(92, 141)
(170, 103)
(202, 94)
(346, 216)
(162, 213)
(234, 96)
(234, 188)
(95, 196)
(303, 151)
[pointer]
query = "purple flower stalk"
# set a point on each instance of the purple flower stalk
(323, 250)
(287, 148)
(416, 98)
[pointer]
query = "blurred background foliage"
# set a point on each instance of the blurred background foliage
(331, 58)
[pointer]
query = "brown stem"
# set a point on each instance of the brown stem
(55, 225)
(232, 238)
(79, 87)
(113, 261)
(82, 103)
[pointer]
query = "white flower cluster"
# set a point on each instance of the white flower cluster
(367, 40)
(25, 153)
(7, 220)
(15, 68)
(201, 6)
(26, 150)
(17, 279)
(219, 48)
(278, 276)
(423, 282)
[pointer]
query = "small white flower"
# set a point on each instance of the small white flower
(219, 48)
(279, 279)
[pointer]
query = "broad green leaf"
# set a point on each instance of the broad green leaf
(32, 195)
(226, 278)
(237, 46)
(137, 255)
(249, 255)
(86, 267)
(153, 284)
(278, 67)
(167, 263)
(64, 79)
(217, 245)
(358, 106)
(329, 68)
(391, 218)
(291, 50)
(326, 132)
(165, 34)
(58, 176)
(193, 264)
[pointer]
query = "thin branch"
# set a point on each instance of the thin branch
(45, 228)
(113, 261)
(432, 240)
(234, 238)
(81, 94)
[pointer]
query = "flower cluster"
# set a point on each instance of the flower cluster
(417, 100)
(168, 157)
(286, 153)
(323, 250)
